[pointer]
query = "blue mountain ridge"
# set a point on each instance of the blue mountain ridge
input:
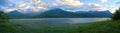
(58, 13)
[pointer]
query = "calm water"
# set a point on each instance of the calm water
(61, 20)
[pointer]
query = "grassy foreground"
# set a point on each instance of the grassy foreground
(97, 27)
(102, 27)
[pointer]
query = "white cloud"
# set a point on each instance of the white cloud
(71, 9)
(9, 10)
(95, 6)
(71, 3)
(87, 7)
(76, 5)
(22, 5)
(34, 5)
(103, 1)
(112, 9)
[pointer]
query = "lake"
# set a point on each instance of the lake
(58, 21)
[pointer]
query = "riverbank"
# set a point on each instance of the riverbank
(94, 27)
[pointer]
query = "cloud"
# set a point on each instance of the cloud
(95, 6)
(71, 3)
(9, 10)
(31, 5)
(103, 1)
(71, 9)
(118, 2)
(76, 5)
(22, 5)
(86, 7)
(112, 9)
(4, 2)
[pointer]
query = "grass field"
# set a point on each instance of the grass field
(97, 27)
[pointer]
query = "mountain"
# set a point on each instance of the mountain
(106, 13)
(16, 14)
(58, 13)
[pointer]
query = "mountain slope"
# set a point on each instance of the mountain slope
(16, 14)
(95, 13)
(58, 13)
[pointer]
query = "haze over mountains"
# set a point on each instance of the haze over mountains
(58, 13)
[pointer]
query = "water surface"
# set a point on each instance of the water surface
(60, 20)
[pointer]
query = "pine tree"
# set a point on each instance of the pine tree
(116, 15)
(3, 17)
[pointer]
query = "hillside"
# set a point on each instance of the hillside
(58, 13)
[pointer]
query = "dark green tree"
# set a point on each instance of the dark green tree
(5, 25)
(3, 17)
(116, 15)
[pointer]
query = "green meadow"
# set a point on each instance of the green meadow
(96, 27)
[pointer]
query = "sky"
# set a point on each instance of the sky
(26, 6)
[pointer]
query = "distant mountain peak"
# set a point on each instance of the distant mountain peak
(59, 13)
